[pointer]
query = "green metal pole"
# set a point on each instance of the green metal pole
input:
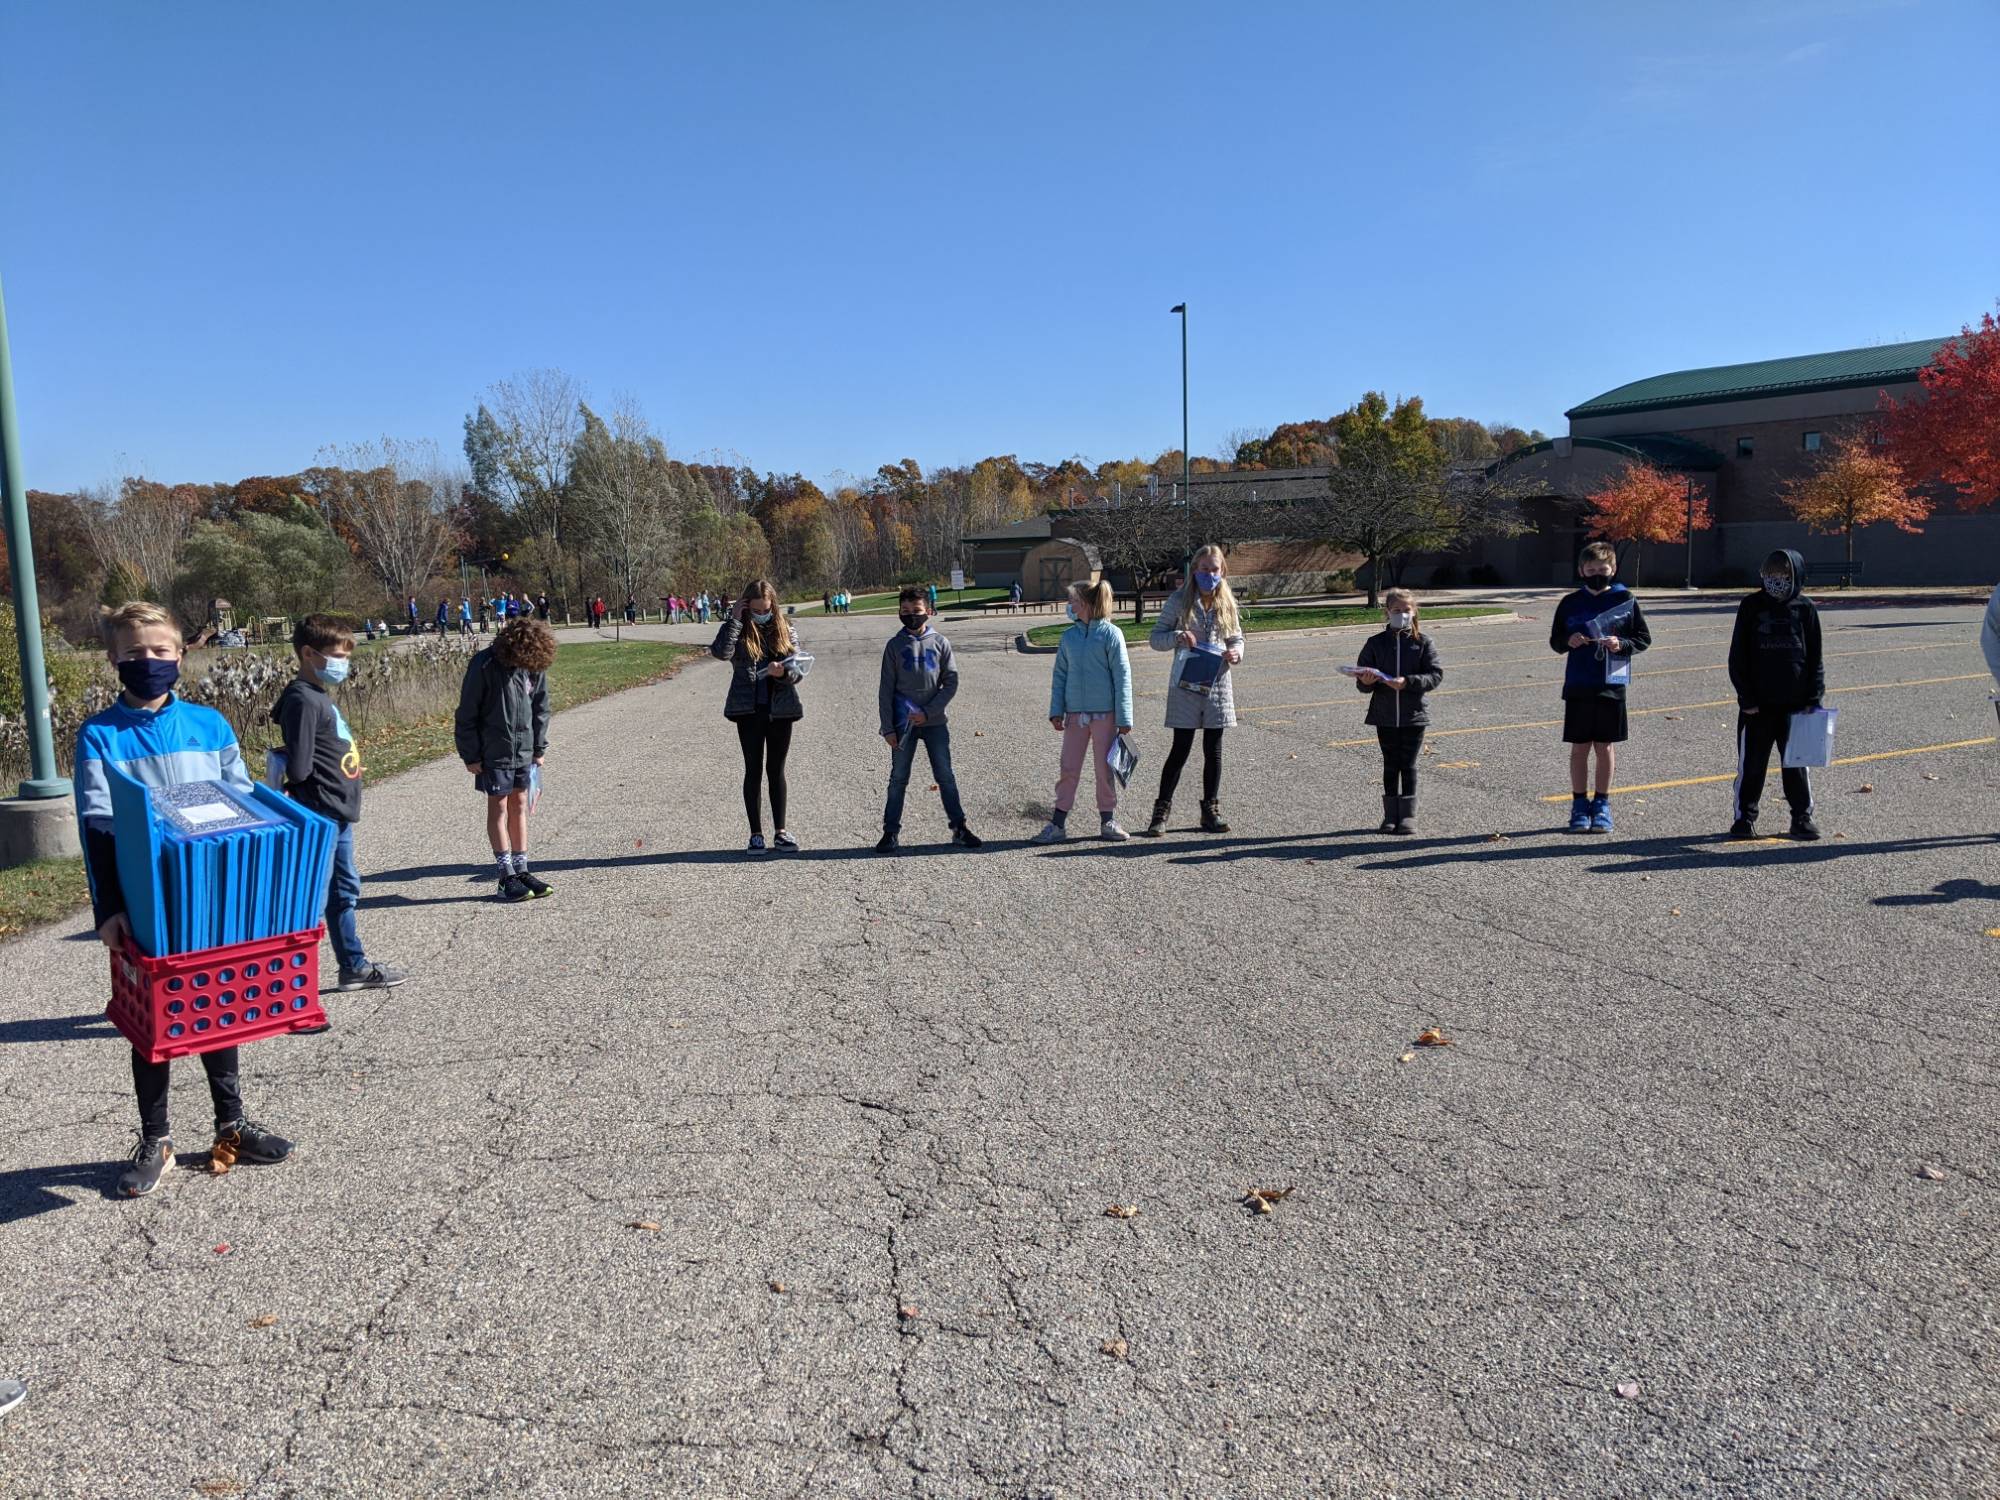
(43, 782)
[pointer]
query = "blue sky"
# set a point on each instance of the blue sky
(826, 237)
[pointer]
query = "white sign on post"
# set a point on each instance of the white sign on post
(958, 578)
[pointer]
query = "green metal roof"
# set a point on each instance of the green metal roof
(1767, 377)
(1662, 450)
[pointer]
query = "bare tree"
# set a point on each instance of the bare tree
(629, 504)
(540, 417)
(139, 530)
(393, 500)
(1387, 511)
(1237, 439)
(1145, 536)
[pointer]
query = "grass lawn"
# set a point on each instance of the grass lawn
(1255, 619)
(31, 895)
(885, 603)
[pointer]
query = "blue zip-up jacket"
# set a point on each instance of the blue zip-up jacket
(1584, 672)
(167, 746)
(1093, 672)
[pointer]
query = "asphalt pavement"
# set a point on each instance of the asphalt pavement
(720, 1176)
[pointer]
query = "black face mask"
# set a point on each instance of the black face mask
(149, 677)
(1595, 583)
(914, 623)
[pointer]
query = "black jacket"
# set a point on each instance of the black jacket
(1397, 653)
(322, 763)
(1585, 670)
(1774, 652)
(751, 687)
(503, 714)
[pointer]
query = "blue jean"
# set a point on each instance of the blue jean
(936, 740)
(343, 895)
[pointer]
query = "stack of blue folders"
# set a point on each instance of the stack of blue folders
(206, 865)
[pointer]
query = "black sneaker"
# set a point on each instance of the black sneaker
(1743, 828)
(1804, 828)
(250, 1143)
(965, 838)
(756, 844)
(784, 843)
(887, 844)
(511, 890)
(150, 1160)
(374, 977)
(537, 887)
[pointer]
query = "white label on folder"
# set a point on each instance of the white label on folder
(208, 812)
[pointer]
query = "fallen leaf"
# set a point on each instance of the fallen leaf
(652, 1225)
(262, 1320)
(1675, 912)
(933, 786)
(1293, 756)
(1263, 1206)
(1628, 1390)
(1930, 776)
(1496, 838)
(221, 1157)
(1114, 1347)
(1866, 786)
(224, 1248)
(979, 734)
(1122, 1211)
(1407, 1057)
(1993, 932)
(1430, 1036)
(1930, 1173)
(1262, 1199)
(908, 1311)
(1671, 718)
(777, 1286)
(220, 1485)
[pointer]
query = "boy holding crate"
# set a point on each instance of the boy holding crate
(323, 772)
(155, 738)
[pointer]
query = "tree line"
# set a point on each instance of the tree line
(550, 493)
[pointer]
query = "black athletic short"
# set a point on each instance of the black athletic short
(1593, 721)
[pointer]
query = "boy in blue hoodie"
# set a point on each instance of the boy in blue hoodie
(919, 680)
(1601, 629)
(155, 738)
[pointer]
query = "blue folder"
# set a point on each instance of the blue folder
(139, 863)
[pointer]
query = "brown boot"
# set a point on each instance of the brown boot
(1211, 818)
(1162, 810)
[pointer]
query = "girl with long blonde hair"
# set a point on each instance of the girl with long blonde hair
(1201, 625)
(766, 668)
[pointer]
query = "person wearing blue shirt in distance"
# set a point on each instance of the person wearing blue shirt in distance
(158, 740)
(1090, 704)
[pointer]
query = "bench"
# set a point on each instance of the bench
(1026, 606)
(1846, 571)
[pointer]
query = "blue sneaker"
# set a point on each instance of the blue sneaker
(1579, 813)
(1600, 815)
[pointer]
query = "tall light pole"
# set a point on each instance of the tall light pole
(42, 782)
(1187, 493)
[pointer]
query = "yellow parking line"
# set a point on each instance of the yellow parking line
(1671, 708)
(1844, 760)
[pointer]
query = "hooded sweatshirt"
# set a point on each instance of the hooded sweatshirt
(918, 671)
(1774, 652)
(1586, 674)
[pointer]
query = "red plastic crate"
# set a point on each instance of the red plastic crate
(186, 1003)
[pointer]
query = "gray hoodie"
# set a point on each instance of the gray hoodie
(916, 670)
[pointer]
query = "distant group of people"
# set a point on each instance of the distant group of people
(695, 611)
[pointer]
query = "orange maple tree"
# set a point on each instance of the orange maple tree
(1645, 504)
(1951, 434)
(1854, 483)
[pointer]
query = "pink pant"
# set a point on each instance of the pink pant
(1092, 739)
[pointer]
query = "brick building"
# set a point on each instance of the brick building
(1737, 433)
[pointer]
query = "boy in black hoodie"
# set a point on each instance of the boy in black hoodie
(1776, 668)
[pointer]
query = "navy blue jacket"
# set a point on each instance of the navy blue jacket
(1585, 671)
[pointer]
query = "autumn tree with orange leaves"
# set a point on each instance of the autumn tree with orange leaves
(1645, 504)
(1854, 483)
(1950, 436)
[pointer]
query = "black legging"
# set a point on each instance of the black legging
(1400, 748)
(765, 741)
(1211, 764)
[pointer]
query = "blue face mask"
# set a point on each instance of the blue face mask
(334, 672)
(763, 619)
(1207, 582)
(1075, 619)
(149, 677)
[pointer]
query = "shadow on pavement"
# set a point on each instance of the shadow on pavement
(1681, 852)
(90, 1025)
(32, 1190)
(1943, 892)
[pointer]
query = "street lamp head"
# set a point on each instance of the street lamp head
(1179, 307)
